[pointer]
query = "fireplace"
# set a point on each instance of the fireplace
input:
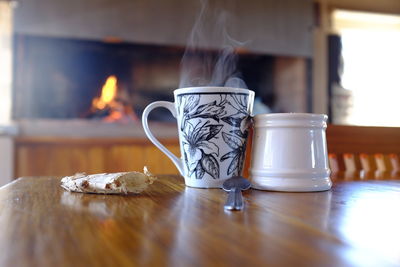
(58, 92)
(64, 53)
(58, 78)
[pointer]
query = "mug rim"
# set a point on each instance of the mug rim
(291, 115)
(212, 89)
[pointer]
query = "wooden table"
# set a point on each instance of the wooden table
(356, 223)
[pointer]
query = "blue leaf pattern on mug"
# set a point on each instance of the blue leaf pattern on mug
(187, 104)
(210, 165)
(202, 123)
(196, 145)
(238, 145)
(237, 138)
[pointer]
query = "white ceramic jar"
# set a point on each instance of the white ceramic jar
(289, 152)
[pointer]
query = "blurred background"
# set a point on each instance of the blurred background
(76, 75)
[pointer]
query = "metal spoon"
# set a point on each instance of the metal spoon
(234, 187)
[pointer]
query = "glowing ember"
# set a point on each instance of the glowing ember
(109, 106)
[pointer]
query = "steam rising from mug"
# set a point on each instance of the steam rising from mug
(200, 67)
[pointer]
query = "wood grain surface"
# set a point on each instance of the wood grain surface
(356, 223)
(56, 156)
(362, 139)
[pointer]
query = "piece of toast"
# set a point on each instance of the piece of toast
(109, 183)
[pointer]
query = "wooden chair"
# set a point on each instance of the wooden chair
(354, 148)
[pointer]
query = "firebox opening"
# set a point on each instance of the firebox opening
(58, 78)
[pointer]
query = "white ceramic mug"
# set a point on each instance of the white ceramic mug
(213, 125)
(289, 152)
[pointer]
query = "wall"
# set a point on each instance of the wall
(290, 84)
(278, 27)
(6, 160)
(381, 6)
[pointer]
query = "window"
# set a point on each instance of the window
(371, 66)
(5, 61)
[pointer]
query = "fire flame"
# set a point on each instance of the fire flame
(108, 93)
(112, 104)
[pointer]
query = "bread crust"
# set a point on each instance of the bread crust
(109, 183)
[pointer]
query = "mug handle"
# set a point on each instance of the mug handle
(171, 107)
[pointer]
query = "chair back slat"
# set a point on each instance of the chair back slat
(368, 149)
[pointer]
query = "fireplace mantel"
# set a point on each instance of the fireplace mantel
(92, 129)
(268, 26)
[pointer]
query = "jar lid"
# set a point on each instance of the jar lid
(290, 120)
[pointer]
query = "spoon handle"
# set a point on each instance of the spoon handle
(235, 200)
